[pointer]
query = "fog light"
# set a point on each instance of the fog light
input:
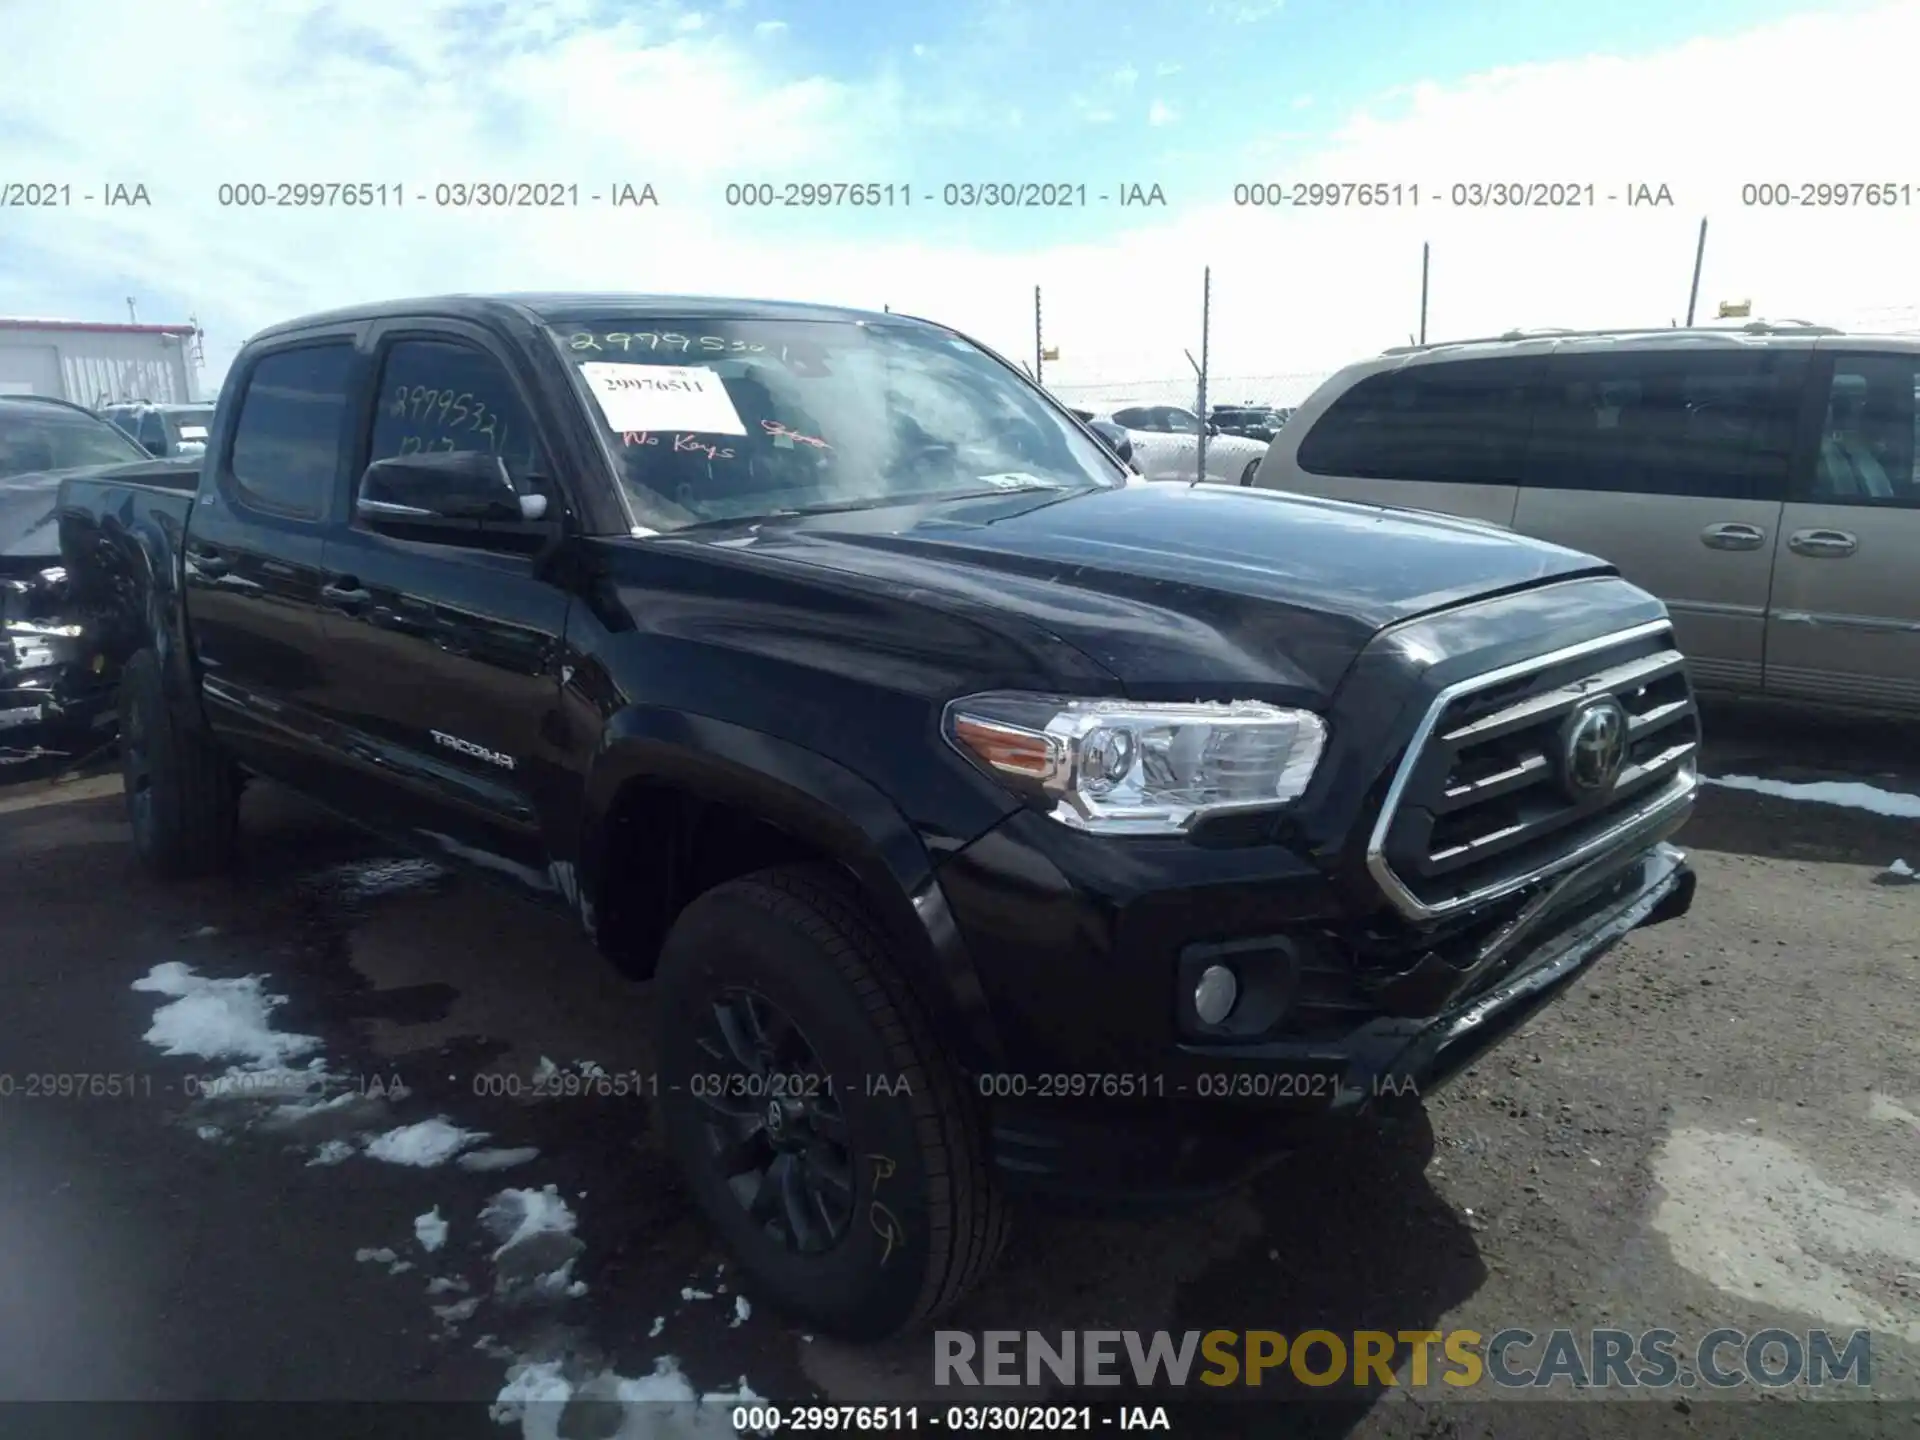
(1214, 997)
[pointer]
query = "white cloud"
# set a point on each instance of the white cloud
(1168, 67)
(555, 93)
(919, 52)
(770, 27)
(1160, 113)
(1302, 102)
(687, 24)
(1125, 77)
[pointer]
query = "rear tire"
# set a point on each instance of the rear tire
(183, 793)
(791, 953)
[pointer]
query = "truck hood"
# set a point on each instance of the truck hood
(1195, 591)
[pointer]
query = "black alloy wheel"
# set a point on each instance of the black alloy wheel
(776, 1134)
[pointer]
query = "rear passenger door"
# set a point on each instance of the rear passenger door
(445, 656)
(1672, 464)
(1442, 435)
(1844, 622)
(253, 556)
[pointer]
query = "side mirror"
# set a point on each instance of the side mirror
(459, 487)
(1212, 429)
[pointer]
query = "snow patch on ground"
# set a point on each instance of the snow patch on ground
(742, 1311)
(430, 1230)
(425, 1143)
(660, 1406)
(220, 1019)
(332, 1153)
(371, 879)
(1853, 794)
(497, 1159)
(538, 1248)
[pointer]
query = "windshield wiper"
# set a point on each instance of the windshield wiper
(876, 502)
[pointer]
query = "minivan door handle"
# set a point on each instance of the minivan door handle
(344, 592)
(1823, 544)
(207, 563)
(1733, 536)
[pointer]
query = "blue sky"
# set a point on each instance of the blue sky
(689, 94)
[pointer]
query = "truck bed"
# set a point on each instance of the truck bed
(120, 534)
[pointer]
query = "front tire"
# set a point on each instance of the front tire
(1246, 475)
(183, 793)
(817, 1121)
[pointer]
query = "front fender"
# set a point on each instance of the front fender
(823, 803)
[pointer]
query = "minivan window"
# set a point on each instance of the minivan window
(1716, 424)
(1459, 421)
(1869, 433)
(286, 444)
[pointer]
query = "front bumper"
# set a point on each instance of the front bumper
(1207, 1117)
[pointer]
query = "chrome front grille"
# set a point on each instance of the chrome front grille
(1488, 799)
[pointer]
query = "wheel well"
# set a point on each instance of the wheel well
(664, 847)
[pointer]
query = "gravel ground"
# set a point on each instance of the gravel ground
(1719, 1127)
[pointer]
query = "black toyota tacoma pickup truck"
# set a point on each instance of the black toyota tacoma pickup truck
(985, 823)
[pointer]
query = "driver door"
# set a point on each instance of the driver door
(445, 657)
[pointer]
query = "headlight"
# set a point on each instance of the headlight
(1118, 767)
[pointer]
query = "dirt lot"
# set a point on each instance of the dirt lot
(1720, 1127)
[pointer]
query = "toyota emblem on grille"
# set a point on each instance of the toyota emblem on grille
(1595, 747)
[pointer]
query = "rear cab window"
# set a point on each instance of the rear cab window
(287, 440)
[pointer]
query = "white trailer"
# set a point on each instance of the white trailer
(98, 364)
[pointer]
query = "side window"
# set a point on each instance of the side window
(286, 443)
(444, 395)
(1869, 433)
(1717, 425)
(1176, 421)
(1134, 419)
(1458, 421)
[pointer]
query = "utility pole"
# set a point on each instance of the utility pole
(1425, 253)
(1200, 369)
(1699, 254)
(1039, 349)
(132, 318)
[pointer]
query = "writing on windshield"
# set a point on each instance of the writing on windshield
(714, 420)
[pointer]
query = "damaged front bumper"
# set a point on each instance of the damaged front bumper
(1231, 1110)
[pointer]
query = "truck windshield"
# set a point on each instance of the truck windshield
(717, 420)
(34, 438)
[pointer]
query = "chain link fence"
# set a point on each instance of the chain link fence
(1284, 391)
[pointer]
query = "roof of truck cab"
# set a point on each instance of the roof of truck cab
(552, 307)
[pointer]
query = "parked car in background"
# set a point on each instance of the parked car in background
(1166, 442)
(1111, 435)
(1250, 422)
(163, 431)
(52, 696)
(1760, 479)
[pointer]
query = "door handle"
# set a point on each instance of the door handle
(1733, 536)
(1823, 544)
(208, 563)
(344, 592)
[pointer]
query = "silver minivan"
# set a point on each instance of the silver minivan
(1760, 480)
